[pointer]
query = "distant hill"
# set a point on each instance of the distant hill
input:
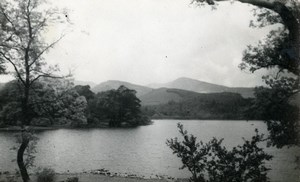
(114, 84)
(177, 90)
(192, 85)
(203, 87)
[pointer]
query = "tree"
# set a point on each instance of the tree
(212, 162)
(10, 107)
(129, 105)
(280, 51)
(52, 101)
(118, 106)
(56, 101)
(22, 45)
(85, 91)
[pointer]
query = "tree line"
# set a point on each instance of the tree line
(208, 106)
(57, 102)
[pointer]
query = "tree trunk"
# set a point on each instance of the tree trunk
(25, 138)
(25, 110)
(20, 160)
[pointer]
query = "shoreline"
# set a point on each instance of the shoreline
(92, 177)
(44, 128)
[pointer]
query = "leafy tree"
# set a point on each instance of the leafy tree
(10, 108)
(280, 51)
(213, 162)
(22, 45)
(85, 91)
(109, 106)
(52, 101)
(118, 106)
(59, 103)
(129, 105)
(273, 106)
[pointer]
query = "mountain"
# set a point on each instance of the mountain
(193, 85)
(178, 90)
(203, 87)
(165, 95)
(114, 84)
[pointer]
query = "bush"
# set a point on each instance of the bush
(46, 175)
(212, 162)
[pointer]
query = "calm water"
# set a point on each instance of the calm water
(141, 150)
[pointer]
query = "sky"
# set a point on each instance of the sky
(154, 41)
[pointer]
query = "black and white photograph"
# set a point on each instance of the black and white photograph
(149, 90)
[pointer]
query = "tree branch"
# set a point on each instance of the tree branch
(15, 67)
(46, 75)
(10, 47)
(11, 22)
(269, 4)
(45, 49)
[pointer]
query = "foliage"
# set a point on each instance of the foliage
(213, 162)
(273, 52)
(52, 101)
(46, 175)
(274, 107)
(90, 97)
(59, 103)
(274, 102)
(23, 24)
(10, 105)
(85, 90)
(207, 106)
(117, 107)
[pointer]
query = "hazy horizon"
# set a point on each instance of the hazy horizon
(150, 84)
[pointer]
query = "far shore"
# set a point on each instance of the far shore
(36, 128)
(55, 127)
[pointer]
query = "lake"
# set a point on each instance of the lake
(140, 150)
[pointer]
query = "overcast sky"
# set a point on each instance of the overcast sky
(148, 41)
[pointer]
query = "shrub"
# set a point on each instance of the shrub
(212, 162)
(46, 175)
